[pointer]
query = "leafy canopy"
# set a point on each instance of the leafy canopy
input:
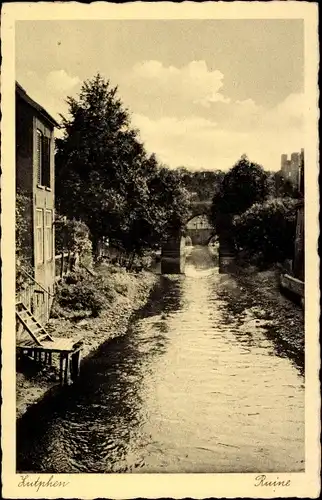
(106, 178)
(242, 186)
(266, 231)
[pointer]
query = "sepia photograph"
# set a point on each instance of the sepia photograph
(161, 178)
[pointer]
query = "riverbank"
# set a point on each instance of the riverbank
(132, 291)
(194, 386)
(259, 292)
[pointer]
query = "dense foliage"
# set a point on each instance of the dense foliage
(22, 222)
(82, 293)
(73, 236)
(265, 233)
(242, 186)
(254, 213)
(23, 233)
(105, 177)
(201, 184)
(279, 187)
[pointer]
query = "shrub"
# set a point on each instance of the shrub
(79, 296)
(73, 235)
(121, 288)
(23, 238)
(75, 277)
(266, 231)
(80, 292)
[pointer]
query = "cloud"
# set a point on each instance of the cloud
(60, 82)
(194, 142)
(193, 83)
(248, 115)
(51, 90)
(173, 125)
(195, 124)
(288, 113)
(202, 143)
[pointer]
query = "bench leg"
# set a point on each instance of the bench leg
(75, 364)
(61, 368)
(67, 367)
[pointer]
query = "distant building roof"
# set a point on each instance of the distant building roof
(20, 91)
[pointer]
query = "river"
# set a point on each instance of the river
(191, 387)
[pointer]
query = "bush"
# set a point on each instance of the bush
(73, 235)
(121, 288)
(76, 277)
(23, 238)
(80, 292)
(81, 296)
(265, 233)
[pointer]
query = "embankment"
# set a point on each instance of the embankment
(133, 289)
(259, 291)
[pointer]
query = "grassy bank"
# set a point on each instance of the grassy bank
(125, 293)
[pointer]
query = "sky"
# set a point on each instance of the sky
(200, 92)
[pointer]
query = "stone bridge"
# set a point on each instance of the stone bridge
(173, 250)
(199, 236)
(199, 232)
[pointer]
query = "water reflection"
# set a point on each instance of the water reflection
(193, 386)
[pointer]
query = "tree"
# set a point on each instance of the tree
(202, 183)
(71, 235)
(105, 177)
(242, 186)
(97, 160)
(280, 187)
(266, 231)
(170, 199)
(100, 179)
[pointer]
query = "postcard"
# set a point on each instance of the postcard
(160, 273)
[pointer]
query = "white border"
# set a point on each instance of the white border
(161, 485)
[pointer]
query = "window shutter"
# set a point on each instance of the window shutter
(46, 162)
(39, 156)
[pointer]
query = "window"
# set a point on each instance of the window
(43, 159)
(46, 162)
(39, 156)
(39, 236)
(49, 235)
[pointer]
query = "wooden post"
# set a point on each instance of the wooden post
(75, 364)
(61, 367)
(67, 369)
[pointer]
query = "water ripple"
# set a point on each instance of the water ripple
(191, 387)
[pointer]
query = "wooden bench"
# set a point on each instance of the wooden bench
(38, 344)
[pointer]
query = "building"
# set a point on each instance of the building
(299, 255)
(35, 179)
(293, 283)
(290, 168)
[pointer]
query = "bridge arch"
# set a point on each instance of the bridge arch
(199, 229)
(173, 254)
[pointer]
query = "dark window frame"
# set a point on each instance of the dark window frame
(43, 154)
